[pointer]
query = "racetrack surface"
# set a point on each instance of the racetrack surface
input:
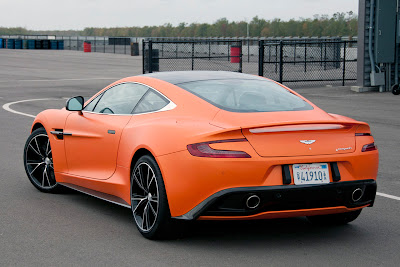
(38, 229)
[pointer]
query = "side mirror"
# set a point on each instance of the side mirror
(75, 103)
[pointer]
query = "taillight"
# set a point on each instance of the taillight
(369, 147)
(204, 150)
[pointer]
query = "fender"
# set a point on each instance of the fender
(52, 120)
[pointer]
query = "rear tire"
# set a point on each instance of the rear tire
(335, 219)
(149, 201)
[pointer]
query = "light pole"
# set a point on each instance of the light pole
(247, 24)
(248, 41)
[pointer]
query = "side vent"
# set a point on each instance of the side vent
(59, 133)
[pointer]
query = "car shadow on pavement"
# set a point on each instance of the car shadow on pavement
(289, 230)
(258, 229)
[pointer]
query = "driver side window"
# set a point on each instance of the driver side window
(120, 99)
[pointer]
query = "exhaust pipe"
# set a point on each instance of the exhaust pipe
(253, 201)
(357, 194)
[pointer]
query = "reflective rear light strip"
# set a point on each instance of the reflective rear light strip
(293, 128)
(363, 134)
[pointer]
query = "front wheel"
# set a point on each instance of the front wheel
(38, 162)
(335, 219)
(149, 201)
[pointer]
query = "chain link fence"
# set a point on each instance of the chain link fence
(309, 62)
(191, 55)
(295, 62)
(114, 45)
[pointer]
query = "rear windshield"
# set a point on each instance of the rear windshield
(246, 95)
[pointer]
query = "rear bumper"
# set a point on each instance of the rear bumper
(284, 201)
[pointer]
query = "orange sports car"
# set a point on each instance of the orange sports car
(202, 145)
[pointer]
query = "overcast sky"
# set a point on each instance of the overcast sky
(78, 14)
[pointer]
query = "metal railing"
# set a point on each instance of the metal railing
(114, 45)
(308, 61)
(303, 62)
(291, 60)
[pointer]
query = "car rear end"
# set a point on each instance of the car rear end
(315, 167)
(278, 158)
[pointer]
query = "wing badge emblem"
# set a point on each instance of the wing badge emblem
(307, 142)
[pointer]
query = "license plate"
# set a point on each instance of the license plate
(316, 173)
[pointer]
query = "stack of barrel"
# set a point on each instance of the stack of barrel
(31, 44)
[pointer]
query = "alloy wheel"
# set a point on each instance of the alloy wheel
(144, 196)
(39, 162)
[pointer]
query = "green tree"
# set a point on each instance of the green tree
(339, 24)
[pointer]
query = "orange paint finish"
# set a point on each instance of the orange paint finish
(141, 131)
(118, 185)
(89, 140)
(287, 144)
(95, 159)
(53, 119)
(214, 175)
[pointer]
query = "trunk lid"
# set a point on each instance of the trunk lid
(293, 133)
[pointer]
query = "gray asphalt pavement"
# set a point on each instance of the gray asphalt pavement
(38, 229)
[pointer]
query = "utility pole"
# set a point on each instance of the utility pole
(247, 25)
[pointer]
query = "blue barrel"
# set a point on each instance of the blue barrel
(25, 44)
(11, 44)
(31, 44)
(45, 44)
(38, 44)
(1, 43)
(18, 44)
(60, 44)
(53, 44)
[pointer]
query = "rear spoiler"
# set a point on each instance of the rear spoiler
(296, 125)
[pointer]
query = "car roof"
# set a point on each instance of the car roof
(178, 77)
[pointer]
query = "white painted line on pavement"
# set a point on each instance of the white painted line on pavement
(388, 196)
(56, 80)
(7, 106)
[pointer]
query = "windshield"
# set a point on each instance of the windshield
(240, 95)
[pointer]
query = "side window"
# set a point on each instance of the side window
(120, 99)
(152, 101)
(92, 104)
